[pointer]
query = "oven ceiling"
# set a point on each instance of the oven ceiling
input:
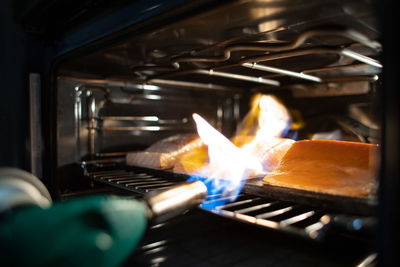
(144, 41)
(208, 34)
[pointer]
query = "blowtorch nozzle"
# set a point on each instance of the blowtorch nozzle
(176, 200)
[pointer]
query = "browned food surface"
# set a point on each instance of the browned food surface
(164, 153)
(172, 143)
(193, 161)
(333, 167)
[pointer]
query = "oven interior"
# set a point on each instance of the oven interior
(321, 58)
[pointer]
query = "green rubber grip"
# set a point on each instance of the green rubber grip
(91, 231)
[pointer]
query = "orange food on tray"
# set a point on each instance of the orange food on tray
(193, 161)
(333, 167)
(164, 153)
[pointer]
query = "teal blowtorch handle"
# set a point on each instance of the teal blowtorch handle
(92, 231)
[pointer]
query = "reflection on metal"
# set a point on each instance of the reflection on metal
(113, 83)
(230, 205)
(149, 85)
(256, 207)
(85, 98)
(282, 71)
(361, 58)
(137, 128)
(129, 118)
(111, 154)
(311, 51)
(157, 123)
(297, 218)
(314, 229)
(236, 109)
(369, 261)
(91, 108)
(195, 85)
(176, 200)
(144, 119)
(220, 117)
(77, 119)
(274, 213)
(102, 162)
(238, 77)
(35, 124)
(154, 245)
(245, 218)
(152, 97)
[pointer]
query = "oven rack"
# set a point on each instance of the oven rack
(279, 215)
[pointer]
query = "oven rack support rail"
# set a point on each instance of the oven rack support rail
(282, 216)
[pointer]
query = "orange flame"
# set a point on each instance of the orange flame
(226, 160)
(257, 147)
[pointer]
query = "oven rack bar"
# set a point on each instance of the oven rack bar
(282, 216)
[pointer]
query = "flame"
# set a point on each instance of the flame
(252, 151)
(228, 161)
(267, 118)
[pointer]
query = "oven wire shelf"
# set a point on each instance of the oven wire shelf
(282, 216)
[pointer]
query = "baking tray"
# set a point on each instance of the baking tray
(335, 203)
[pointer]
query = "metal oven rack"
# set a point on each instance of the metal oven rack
(283, 216)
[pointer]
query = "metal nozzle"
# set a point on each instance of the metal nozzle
(175, 201)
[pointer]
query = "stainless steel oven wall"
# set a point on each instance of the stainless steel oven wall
(107, 118)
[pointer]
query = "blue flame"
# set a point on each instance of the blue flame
(220, 191)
